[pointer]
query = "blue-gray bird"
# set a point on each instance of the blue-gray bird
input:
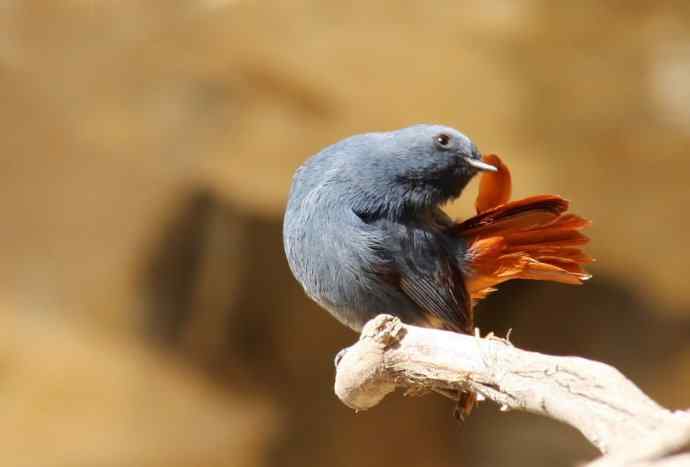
(364, 232)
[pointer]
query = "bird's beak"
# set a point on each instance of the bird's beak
(479, 165)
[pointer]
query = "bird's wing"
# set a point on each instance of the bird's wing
(532, 238)
(424, 269)
(441, 295)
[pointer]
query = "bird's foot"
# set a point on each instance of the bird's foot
(464, 404)
(459, 413)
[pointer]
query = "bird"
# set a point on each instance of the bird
(365, 233)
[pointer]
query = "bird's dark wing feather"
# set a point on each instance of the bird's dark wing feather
(422, 263)
(445, 304)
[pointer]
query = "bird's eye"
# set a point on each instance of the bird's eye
(442, 140)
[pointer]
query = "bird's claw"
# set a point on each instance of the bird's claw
(459, 415)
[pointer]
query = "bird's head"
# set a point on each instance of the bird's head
(413, 169)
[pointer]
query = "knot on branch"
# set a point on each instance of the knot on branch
(384, 329)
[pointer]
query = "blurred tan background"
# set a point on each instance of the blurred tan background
(147, 314)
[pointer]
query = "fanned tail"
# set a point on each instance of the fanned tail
(532, 238)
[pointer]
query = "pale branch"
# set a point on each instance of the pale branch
(609, 410)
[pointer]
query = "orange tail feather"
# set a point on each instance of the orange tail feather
(532, 238)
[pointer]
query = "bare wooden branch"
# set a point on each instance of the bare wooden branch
(609, 410)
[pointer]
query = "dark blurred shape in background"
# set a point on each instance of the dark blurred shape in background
(147, 314)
